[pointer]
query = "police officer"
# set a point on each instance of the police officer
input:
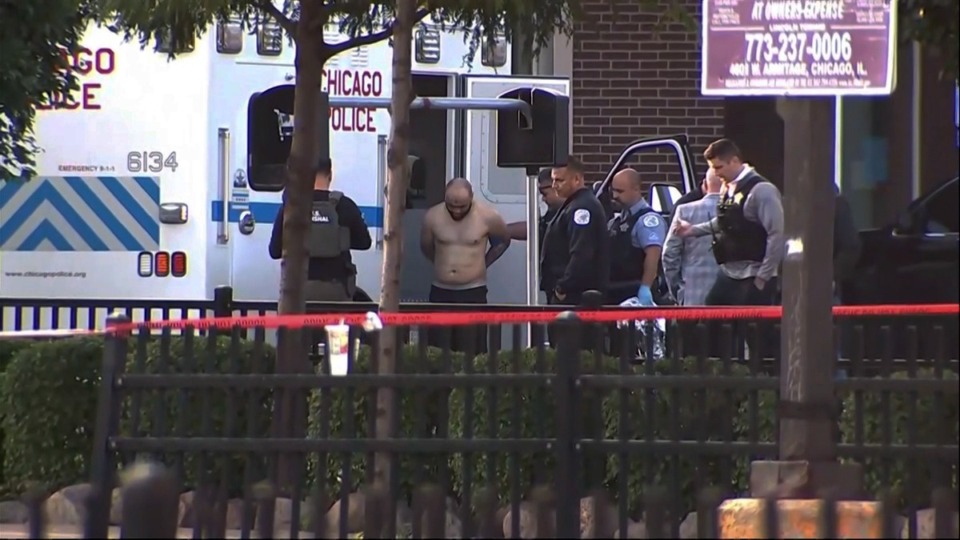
(636, 241)
(551, 203)
(575, 257)
(748, 231)
(336, 227)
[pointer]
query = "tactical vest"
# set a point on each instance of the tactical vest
(738, 238)
(328, 239)
(626, 260)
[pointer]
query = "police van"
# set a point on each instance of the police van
(142, 190)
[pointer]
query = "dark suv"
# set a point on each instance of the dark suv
(914, 261)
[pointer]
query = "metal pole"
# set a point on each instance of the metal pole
(533, 242)
(440, 103)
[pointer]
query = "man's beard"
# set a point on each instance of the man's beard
(461, 216)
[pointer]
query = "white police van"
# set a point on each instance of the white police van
(142, 182)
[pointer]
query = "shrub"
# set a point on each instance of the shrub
(49, 399)
(233, 413)
(534, 418)
(920, 418)
(709, 415)
(419, 416)
(679, 414)
(8, 348)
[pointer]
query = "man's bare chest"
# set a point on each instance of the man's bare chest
(461, 234)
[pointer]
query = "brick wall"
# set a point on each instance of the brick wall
(629, 83)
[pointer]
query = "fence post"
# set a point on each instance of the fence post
(151, 502)
(103, 461)
(223, 301)
(567, 411)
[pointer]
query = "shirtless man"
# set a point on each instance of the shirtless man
(454, 237)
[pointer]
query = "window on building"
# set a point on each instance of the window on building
(941, 211)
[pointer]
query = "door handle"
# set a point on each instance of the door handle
(223, 138)
(246, 223)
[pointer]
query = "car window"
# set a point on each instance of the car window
(941, 212)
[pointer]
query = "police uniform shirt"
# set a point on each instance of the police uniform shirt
(336, 268)
(576, 255)
(649, 231)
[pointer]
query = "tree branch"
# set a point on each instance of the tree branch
(375, 37)
(288, 26)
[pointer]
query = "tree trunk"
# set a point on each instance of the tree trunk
(290, 413)
(399, 179)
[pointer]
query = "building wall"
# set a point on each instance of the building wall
(630, 82)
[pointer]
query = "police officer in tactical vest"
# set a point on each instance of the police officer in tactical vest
(748, 241)
(575, 256)
(336, 227)
(636, 241)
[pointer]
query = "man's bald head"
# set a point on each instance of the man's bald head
(458, 198)
(627, 188)
(712, 182)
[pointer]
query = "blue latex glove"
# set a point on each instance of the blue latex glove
(645, 296)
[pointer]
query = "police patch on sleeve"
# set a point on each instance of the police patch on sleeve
(581, 217)
(651, 220)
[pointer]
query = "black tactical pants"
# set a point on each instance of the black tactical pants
(727, 291)
(333, 290)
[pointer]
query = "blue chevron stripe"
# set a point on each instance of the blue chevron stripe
(45, 231)
(267, 212)
(8, 190)
(149, 186)
(45, 204)
(105, 214)
(47, 193)
(149, 223)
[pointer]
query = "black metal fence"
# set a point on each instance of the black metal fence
(515, 442)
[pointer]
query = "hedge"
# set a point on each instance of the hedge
(919, 418)
(159, 411)
(8, 348)
(707, 415)
(420, 416)
(49, 398)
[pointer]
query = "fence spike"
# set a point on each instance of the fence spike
(375, 501)
(603, 524)
(945, 505)
(655, 508)
(771, 517)
(151, 502)
(486, 503)
(888, 513)
(709, 503)
(34, 499)
(828, 517)
(265, 496)
(430, 509)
